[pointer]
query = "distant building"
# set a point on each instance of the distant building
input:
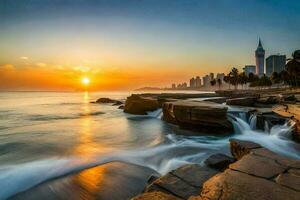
(206, 81)
(198, 82)
(184, 85)
(275, 63)
(249, 69)
(220, 76)
(173, 86)
(192, 82)
(260, 59)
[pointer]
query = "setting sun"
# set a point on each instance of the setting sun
(85, 81)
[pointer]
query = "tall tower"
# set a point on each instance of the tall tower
(260, 59)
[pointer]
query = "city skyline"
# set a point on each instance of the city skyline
(123, 45)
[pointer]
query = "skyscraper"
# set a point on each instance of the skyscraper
(275, 63)
(198, 82)
(260, 59)
(192, 82)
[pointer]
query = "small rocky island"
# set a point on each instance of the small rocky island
(252, 172)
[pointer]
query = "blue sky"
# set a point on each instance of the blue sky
(194, 35)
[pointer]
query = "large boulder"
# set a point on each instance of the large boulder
(243, 101)
(138, 105)
(268, 120)
(207, 117)
(108, 100)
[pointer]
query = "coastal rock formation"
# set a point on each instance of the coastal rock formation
(201, 116)
(291, 111)
(243, 101)
(136, 104)
(182, 182)
(258, 173)
(268, 120)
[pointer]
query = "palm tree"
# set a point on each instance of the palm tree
(219, 81)
(275, 78)
(234, 77)
(227, 80)
(242, 79)
(293, 68)
(213, 82)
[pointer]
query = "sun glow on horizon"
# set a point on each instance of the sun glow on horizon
(85, 81)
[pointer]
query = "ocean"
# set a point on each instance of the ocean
(46, 136)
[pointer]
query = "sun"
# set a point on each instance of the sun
(85, 81)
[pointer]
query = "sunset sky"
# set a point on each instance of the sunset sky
(127, 44)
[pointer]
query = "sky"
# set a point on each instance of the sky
(127, 44)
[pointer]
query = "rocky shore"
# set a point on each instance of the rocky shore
(253, 172)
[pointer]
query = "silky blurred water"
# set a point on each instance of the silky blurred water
(45, 135)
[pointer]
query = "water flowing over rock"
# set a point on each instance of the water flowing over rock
(207, 117)
(138, 105)
(291, 111)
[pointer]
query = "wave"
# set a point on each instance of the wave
(161, 158)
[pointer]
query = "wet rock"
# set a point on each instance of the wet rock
(217, 100)
(184, 181)
(231, 185)
(239, 148)
(207, 117)
(152, 178)
(121, 107)
(108, 100)
(258, 166)
(268, 120)
(173, 185)
(194, 175)
(243, 101)
(155, 196)
(219, 161)
(291, 111)
(138, 105)
(289, 180)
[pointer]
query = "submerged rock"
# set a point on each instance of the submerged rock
(138, 105)
(108, 100)
(207, 117)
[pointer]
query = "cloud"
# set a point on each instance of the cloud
(24, 58)
(41, 64)
(7, 67)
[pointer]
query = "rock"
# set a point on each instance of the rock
(291, 111)
(173, 185)
(152, 178)
(219, 161)
(268, 100)
(263, 152)
(270, 119)
(207, 117)
(231, 185)
(289, 180)
(217, 99)
(118, 103)
(243, 101)
(258, 166)
(108, 100)
(194, 175)
(289, 98)
(138, 105)
(239, 148)
(121, 107)
(184, 181)
(155, 196)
